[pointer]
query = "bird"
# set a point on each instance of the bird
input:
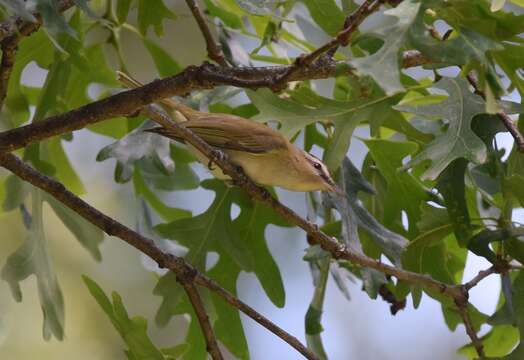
(266, 156)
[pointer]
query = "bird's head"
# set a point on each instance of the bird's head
(319, 173)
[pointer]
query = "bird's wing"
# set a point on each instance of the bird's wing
(229, 132)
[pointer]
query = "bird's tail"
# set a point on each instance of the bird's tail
(169, 105)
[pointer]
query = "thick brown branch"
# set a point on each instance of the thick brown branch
(203, 319)
(350, 26)
(178, 265)
(506, 120)
(206, 76)
(214, 50)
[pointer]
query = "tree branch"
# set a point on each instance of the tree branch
(350, 26)
(214, 50)
(481, 276)
(203, 319)
(126, 103)
(462, 307)
(165, 260)
(6, 66)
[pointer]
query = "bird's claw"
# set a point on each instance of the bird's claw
(216, 155)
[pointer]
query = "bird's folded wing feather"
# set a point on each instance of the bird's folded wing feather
(231, 133)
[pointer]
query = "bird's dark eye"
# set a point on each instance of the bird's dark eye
(317, 166)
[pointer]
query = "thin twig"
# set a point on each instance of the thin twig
(350, 26)
(468, 324)
(214, 50)
(253, 314)
(203, 319)
(6, 66)
(506, 120)
(480, 276)
(145, 245)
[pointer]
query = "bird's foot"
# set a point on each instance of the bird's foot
(216, 155)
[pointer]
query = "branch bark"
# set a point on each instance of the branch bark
(351, 25)
(203, 319)
(165, 260)
(214, 50)
(462, 307)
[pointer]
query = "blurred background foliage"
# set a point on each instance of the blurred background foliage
(433, 184)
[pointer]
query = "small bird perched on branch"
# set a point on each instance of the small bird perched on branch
(265, 155)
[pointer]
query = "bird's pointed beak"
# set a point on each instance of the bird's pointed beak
(336, 189)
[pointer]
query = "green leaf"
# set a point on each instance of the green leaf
(255, 7)
(132, 330)
(294, 115)
(183, 178)
(133, 147)
(166, 212)
(383, 65)
(229, 18)
(228, 326)
(251, 224)
(32, 258)
(459, 140)
(38, 48)
(240, 244)
(451, 184)
(518, 308)
(210, 231)
(479, 244)
(478, 17)
(152, 13)
(122, 10)
(465, 46)
(427, 253)
(86, 233)
(510, 60)
(353, 214)
(404, 191)
(53, 20)
(53, 153)
(499, 341)
(326, 14)
(16, 190)
(164, 63)
(18, 7)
